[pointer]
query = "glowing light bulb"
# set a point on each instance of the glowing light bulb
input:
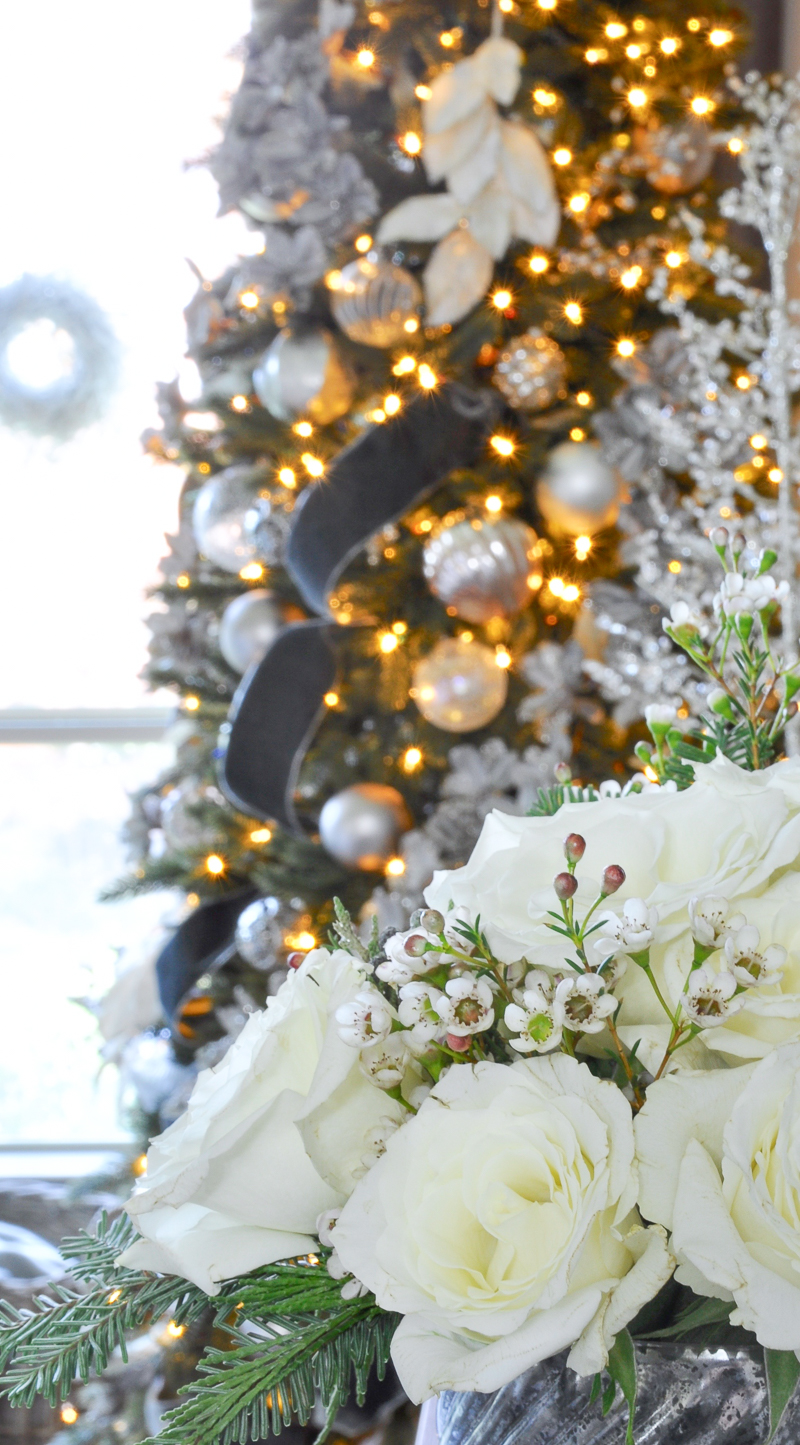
(447, 39)
(562, 156)
(174, 1330)
(427, 378)
(571, 593)
(502, 657)
(249, 299)
(720, 37)
(363, 243)
(577, 434)
(287, 478)
(240, 403)
(775, 474)
(502, 300)
(503, 446)
(411, 143)
(68, 1414)
(252, 572)
(637, 97)
(675, 567)
(303, 429)
(545, 97)
(378, 415)
(494, 504)
(191, 703)
(595, 54)
(139, 1166)
(183, 580)
(631, 277)
(584, 398)
(651, 774)
(333, 280)
(395, 868)
(669, 45)
(625, 347)
(366, 59)
(401, 628)
(404, 366)
(583, 546)
(391, 404)
(744, 382)
(387, 642)
(556, 586)
(735, 145)
(702, 105)
(633, 51)
(411, 325)
(694, 25)
(573, 312)
(506, 6)
(615, 30)
(312, 464)
(673, 259)
(412, 757)
(423, 92)
(579, 202)
(304, 941)
(261, 835)
(758, 442)
(546, 4)
(538, 264)
(331, 699)
(215, 865)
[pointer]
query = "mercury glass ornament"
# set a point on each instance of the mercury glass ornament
(266, 528)
(678, 157)
(361, 825)
(248, 628)
(483, 568)
(531, 371)
(374, 300)
(259, 935)
(193, 817)
(578, 493)
(459, 687)
(220, 509)
(301, 374)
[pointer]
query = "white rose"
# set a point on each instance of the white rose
(727, 834)
(273, 1136)
(500, 1222)
(720, 1166)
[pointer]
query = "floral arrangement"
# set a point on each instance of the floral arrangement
(558, 1112)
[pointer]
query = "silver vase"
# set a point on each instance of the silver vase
(685, 1397)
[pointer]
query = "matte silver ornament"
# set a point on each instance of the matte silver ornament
(531, 371)
(578, 493)
(248, 628)
(301, 374)
(361, 825)
(482, 568)
(459, 686)
(259, 935)
(218, 520)
(677, 157)
(266, 528)
(374, 300)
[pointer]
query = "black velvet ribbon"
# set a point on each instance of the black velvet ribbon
(199, 943)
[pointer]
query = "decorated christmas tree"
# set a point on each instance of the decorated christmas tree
(426, 541)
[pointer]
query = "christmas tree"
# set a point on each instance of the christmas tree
(424, 549)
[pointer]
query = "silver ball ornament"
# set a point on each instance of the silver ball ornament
(374, 300)
(259, 935)
(677, 157)
(218, 520)
(531, 371)
(361, 825)
(248, 628)
(266, 528)
(578, 493)
(193, 817)
(459, 686)
(482, 568)
(301, 374)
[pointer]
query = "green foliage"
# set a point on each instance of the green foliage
(622, 1369)
(783, 1372)
(698, 1314)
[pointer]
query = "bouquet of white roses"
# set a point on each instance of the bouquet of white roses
(499, 1134)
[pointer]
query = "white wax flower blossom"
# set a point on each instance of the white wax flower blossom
(402, 964)
(682, 615)
(419, 1010)
(376, 1141)
(491, 1271)
(385, 1063)
(719, 1166)
(659, 715)
(271, 1137)
(468, 1006)
(709, 997)
(585, 1002)
(366, 1020)
(631, 932)
(326, 1222)
(749, 965)
(711, 920)
(536, 1018)
(740, 595)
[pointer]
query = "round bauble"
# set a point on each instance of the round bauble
(677, 157)
(266, 528)
(578, 493)
(374, 300)
(361, 826)
(220, 509)
(531, 371)
(459, 687)
(248, 628)
(193, 817)
(482, 568)
(301, 374)
(259, 935)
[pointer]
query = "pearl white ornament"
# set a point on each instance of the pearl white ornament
(531, 370)
(301, 374)
(374, 300)
(193, 817)
(361, 825)
(678, 157)
(459, 687)
(259, 935)
(483, 568)
(248, 628)
(218, 520)
(578, 492)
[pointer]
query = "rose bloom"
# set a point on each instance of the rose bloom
(732, 834)
(720, 1166)
(500, 1222)
(272, 1137)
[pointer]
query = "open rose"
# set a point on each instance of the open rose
(500, 1222)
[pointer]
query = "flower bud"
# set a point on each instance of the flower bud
(574, 847)
(720, 703)
(613, 878)
(718, 537)
(432, 920)
(563, 773)
(415, 945)
(294, 960)
(791, 684)
(458, 1043)
(738, 543)
(766, 561)
(565, 885)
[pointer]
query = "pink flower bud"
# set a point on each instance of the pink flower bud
(574, 847)
(432, 920)
(416, 945)
(294, 960)
(458, 1044)
(613, 878)
(565, 885)
(563, 773)
(718, 536)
